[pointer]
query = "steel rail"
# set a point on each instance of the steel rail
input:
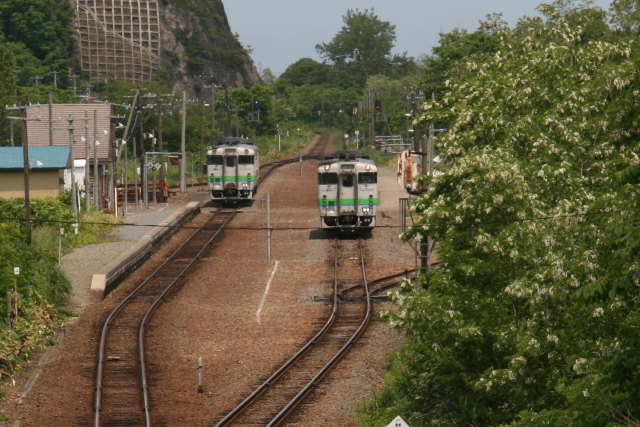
(289, 363)
(242, 406)
(152, 309)
(365, 322)
(381, 283)
(118, 308)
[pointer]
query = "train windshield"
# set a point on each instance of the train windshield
(230, 161)
(327, 178)
(215, 160)
(347, 180)
(367, 177)
(245, 160)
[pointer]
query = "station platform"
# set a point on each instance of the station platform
(143, 231)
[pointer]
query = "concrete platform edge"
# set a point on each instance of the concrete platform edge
(107, 280)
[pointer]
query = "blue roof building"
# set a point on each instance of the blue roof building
(40, 158)
(46, 172)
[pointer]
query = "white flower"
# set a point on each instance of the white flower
(579, 364)
(520, 360)
(598, 312)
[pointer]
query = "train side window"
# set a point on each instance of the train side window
(367, 177)
(216, 160)
(245, 160)
(230, 161)
(347, 180)
(328, 178)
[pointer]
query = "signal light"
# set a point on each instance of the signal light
(378, 105)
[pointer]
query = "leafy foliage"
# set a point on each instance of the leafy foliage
(531, 316)
(42, 30)
(41, 287)
(362, 46)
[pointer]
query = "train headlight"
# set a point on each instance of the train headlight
(327, 167)
(366, 210)
(245, 186)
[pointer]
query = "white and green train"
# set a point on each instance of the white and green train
(348, 192)
(233, 170)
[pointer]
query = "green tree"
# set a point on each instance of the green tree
(268, 77)
(305, 71)
(44, 27)
(8, 83)
(531, 316)
(457, 47)
(363, 45)
(626, 14)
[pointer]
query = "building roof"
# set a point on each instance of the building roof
(45, 129)
(40, 158)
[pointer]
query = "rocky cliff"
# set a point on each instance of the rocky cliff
(186, 43)
(198, 46)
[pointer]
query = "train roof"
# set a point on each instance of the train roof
(235, 141)
(346, 156)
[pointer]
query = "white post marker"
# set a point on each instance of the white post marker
(264, 295)
(200, 385)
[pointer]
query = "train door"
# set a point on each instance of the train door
(347, 196)
(246, 172)
(230, 172)
(215, 173)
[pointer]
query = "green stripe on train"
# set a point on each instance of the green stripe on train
(327, 202)
(231, 178)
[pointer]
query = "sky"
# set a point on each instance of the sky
(280, 32)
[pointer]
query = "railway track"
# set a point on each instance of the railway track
(122, 391)
(277, 398)
(315, 152)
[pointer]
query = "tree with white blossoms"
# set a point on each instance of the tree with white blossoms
(532, 315)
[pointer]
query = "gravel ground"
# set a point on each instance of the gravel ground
(223, 314)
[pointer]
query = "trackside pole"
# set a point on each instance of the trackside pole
(200, 384)
(268, 227)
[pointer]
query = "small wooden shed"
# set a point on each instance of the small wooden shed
(46, 171)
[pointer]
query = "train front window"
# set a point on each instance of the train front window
(327, 178)
(367, 177)
(216, 160)
(245, 160)
(230, 161)
(347, 180)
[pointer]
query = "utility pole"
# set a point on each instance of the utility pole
(26, 165)
(75, 86)
(50, 119)
(71, 128)
(87, 170)
(183, 149)
(254, 118)
(202, 105)
(55, 77)
(37, 80)
(229, 130)
(213, 110)
(427, 165)
(141, 158)
(372, 117)
(133, 109)
(95, 159)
